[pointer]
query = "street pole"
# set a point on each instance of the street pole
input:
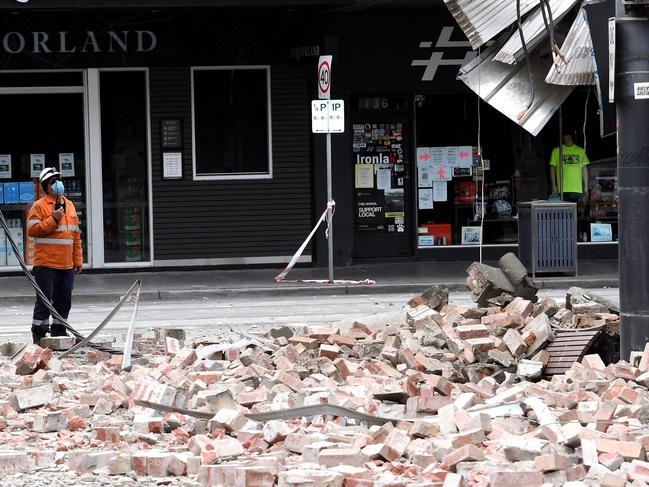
(632, 68)
(561, 151)
(330, 227)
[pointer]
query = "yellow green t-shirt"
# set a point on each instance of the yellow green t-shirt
(574, 159)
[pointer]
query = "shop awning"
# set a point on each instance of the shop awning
(482, 20)
(578, 50)
(506, 87)
(534, 31)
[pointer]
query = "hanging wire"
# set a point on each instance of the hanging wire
(527, 60)
(586, 118)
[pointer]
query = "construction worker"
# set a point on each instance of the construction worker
(54, 226)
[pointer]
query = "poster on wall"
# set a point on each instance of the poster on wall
(440, 191)
(172, 165)
(5, 166)
(451, 156)
(425, 175)
(465, 156)
(395, 210)
(383, 177)
(437, 156)
(426, 198)
(380, 174)
(37, 164)
(423, 155)
(66, 164)
(364, 176)
(370, 209)
(442, 173)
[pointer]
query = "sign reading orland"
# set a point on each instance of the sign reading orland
(64, 42)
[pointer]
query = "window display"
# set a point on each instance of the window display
(450, 178)
(55, 133)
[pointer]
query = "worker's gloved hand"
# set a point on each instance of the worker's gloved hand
(554, 197)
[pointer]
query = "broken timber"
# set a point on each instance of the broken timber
(569, 347)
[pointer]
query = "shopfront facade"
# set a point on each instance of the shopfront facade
(182, 136)
(408, 167)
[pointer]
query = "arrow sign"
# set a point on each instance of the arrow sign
(464, 155)
(425, 156)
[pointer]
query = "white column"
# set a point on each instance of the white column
(94, 167)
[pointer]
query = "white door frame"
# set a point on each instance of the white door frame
(95, 168)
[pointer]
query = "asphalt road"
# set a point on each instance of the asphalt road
(211, 317)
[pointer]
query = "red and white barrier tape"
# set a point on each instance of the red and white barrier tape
(281, 277)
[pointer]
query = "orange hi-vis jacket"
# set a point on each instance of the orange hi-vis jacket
(56, 245)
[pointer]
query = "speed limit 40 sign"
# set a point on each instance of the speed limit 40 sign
(324, 77)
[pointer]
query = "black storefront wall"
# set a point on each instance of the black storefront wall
(197, 219)
(397, 54)
(392, 54)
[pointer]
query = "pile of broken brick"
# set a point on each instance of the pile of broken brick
(438, 395)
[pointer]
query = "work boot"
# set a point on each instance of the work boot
(38, 332)
(58, 330)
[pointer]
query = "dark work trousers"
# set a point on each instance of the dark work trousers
(57, 285)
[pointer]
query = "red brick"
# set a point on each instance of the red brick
(330, 351)
(516, 479)
(306, 342)
(440, 384)
(468, 453)
(628, 449)
(428, 405)
(551, 462)
(465, 332)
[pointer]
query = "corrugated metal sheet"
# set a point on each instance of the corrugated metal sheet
(578, 50)
(506, 88)
(482, 20)
(534, 31)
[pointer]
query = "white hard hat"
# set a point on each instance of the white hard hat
(48, 173)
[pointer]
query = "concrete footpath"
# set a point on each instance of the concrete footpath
(390, 277)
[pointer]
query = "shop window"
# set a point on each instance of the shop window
(125, 161)
(39, 130)
(450, 178)
(231, 115)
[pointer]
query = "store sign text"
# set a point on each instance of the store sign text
(376, 159)
(63, 42)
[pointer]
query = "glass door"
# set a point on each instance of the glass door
(125, 176)
(39, 127)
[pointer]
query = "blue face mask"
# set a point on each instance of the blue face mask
(58, 188)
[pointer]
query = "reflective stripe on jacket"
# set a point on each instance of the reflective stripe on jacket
(56, 244)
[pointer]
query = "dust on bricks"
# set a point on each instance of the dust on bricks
(457, 395)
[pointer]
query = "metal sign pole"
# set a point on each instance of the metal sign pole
(330, 228)
(561, 151)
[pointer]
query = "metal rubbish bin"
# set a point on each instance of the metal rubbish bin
(547, 237)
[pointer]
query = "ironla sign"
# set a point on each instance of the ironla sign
(64, 42)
